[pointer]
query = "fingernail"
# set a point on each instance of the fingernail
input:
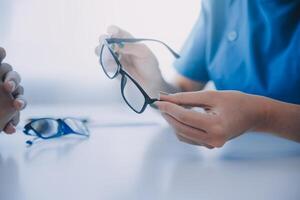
(154, 105)
(20, 104)
(10, 129)
(13, 129)
(121, 45)
(11, 85)
(157, 104)
(162, 94)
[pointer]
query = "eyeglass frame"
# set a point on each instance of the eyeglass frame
(123, 73)
(63, 128)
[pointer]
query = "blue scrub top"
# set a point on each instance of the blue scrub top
(247, 45)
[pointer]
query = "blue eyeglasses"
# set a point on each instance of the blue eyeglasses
(48, 128)
(132, 92)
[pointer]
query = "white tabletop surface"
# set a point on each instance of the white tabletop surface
(135, 157)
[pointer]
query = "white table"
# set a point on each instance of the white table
(142, 159)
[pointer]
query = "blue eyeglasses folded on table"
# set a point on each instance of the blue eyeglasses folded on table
(48, 128)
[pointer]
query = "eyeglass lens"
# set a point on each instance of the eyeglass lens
(132, 95)
(108, 62)
(50, 127)
(45, 127)
(77, 126)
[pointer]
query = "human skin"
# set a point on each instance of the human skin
(11, 96)
(141, 63)
(227, 114)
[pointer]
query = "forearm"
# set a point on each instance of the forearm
(282, 119)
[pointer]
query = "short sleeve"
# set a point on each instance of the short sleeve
(191, 63)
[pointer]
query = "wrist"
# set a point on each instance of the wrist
(281, 119)
(264, 113)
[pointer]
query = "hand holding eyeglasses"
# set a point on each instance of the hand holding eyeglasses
(227, 115)
(112, 54)
(137, 59)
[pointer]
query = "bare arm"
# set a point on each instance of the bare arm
(282, 119)
(227, 115)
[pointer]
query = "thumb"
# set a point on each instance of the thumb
(201, 98)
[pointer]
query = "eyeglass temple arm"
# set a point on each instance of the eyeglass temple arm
(66, 129)
(133, 40)
(152, 100)
(31, 142)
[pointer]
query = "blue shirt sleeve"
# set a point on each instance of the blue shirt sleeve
(191, 63)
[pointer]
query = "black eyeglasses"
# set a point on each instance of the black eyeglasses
(132, 92)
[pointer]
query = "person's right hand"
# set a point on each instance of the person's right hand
(137, 59)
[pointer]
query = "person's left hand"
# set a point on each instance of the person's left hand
(11, 96)
(226, 115)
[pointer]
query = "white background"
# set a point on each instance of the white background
(51, 42)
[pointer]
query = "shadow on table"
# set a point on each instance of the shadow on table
(60, 147)
(162, 155)
(125, 124)
(9, 180)
(259, 146)
(173, 170)
(256, 162)
(64, 145)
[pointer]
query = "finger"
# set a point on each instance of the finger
(188, 141)
(20, 103)
(11, 81)
(137, 49)
(186, 116)
(200, 98)
(2, 54)
(102, 39)
(4, 69)
(188, 132)
(9, 128)
(98, 50)
(101, 42)
(114, 47)
(19, 91)
(16, 119)
(184, 139)
(115, 31)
